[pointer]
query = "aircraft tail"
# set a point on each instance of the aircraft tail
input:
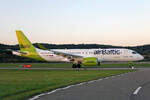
(24, 43)
(26, 47)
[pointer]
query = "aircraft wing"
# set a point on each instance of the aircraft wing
(59, 53)
(66, 54)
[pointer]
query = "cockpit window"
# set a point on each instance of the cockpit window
(134, 52)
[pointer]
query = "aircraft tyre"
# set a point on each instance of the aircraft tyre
(78, 65)
(74, 66)
(99, 64)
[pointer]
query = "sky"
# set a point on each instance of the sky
(110, 22)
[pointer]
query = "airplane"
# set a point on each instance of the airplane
(86, 57)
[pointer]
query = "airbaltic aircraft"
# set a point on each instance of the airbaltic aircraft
(81, 56)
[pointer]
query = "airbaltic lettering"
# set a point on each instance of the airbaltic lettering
(107, 52)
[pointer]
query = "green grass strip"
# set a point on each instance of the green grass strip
(22, 84)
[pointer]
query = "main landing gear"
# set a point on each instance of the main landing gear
(99, 63)
(76, 65)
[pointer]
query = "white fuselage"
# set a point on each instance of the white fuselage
(100, 54)
(104, 54)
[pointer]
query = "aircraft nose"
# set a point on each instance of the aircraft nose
(141, 57)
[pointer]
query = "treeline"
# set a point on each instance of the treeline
(145, 49)
(6, 56)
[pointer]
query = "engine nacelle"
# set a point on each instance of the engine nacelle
(90, 61)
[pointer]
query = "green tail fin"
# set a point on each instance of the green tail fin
(26, 47)
(24, 43)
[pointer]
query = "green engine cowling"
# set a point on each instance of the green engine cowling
(90, 61)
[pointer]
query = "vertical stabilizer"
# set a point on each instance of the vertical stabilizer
(24, 43)
(26, 47)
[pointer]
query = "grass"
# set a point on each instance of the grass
(22, 84)
(68, 65)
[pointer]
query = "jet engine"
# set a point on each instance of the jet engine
(90, 61)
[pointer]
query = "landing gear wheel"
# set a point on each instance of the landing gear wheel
(74, 66)
(99, 64)
(78, 65)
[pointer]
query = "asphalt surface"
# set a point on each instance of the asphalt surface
(131, 86)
